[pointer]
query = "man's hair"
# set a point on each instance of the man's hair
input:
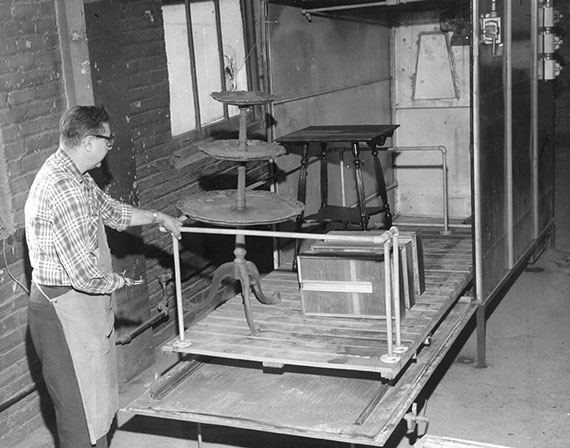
(80, 121)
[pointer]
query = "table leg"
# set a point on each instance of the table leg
(226, 270)
(248, 275)
(324, 175)
(360, 186)
(302, 185)
(242, 274)
(381, 185)
(255, 282)
(301, 197)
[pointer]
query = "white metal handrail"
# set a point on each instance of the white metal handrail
(443, 150)
(388, 238)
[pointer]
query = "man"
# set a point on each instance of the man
(70, 314)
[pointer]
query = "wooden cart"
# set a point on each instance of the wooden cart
(314, 376)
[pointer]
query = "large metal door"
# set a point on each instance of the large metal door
(512, 179)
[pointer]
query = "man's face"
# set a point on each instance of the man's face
(99, 145)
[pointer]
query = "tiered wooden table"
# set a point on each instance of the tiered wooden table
(313, 376)
(238, 207)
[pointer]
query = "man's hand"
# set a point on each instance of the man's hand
(165, 222)
(133, 282)
(171, 224)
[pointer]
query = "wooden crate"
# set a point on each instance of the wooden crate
(412, 237)
(335, 280)
(407, 272)
(415, 239)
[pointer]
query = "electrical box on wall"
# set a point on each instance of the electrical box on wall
(548, 41)
(490, 25)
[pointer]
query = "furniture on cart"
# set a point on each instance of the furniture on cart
(240, 208)
(324, 377)
(374, 136)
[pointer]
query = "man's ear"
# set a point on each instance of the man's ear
(87, 143)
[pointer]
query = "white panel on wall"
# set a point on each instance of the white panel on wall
(182, 116)
(434, 58)
(233, 47)
(207, 60)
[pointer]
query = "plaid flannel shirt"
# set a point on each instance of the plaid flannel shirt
(62, 219)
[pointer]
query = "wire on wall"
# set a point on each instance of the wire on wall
(14, 279)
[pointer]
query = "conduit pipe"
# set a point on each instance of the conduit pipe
(19, 396)
(162, 309)
(307, 12)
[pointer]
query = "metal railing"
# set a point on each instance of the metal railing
(389, 240)
(399, 149)
(443, 150)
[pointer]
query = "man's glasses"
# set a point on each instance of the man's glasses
(109, 138)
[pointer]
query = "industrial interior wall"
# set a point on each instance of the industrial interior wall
(548, 141)
(559, 91)
(533, 211)
(562, 83)
(432, 99)
(521, 127)
(492, 154)
(32, 98)
(514, 178)
(328, 71)
(151, 169)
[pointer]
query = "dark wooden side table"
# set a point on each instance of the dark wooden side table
(374, 136)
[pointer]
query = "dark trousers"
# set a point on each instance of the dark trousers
(59, 374)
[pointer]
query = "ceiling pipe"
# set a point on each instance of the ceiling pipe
(307, 12)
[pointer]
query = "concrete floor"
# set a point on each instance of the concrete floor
(522, 399)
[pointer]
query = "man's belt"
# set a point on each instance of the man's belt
(51, 291)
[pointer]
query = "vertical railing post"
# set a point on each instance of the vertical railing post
(178, 287)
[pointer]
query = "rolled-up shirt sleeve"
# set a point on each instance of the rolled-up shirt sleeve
(115, 214)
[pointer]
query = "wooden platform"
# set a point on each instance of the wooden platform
(290, 338)
(349, 407)
(330, 387)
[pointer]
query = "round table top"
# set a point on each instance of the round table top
(242, 97)
(220, 207)
(229, 150)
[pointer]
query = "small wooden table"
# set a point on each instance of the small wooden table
(374, 136)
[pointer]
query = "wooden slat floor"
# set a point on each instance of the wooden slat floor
(290, 338)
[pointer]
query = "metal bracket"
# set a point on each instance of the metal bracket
(413, 420)
(490, 28)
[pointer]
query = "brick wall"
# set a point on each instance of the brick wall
(31, 101)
